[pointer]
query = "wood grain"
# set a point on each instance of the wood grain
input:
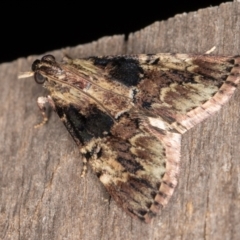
(42, 194)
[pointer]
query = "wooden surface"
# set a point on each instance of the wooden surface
(42, 194)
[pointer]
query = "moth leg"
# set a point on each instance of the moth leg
(42, 101)
(84, 169)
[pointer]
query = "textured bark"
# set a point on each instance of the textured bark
(42, 194)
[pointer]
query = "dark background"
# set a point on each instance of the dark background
(37, 26)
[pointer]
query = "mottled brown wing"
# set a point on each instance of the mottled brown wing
(140, 173)
(174, 93)
(127, 114)
(188, 88)
(136, 162)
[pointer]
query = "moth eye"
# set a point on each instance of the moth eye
(34, 65)
(49, 58)
(39, 78)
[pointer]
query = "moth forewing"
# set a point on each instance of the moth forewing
(127, 114)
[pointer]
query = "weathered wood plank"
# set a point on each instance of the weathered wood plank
(42, 194)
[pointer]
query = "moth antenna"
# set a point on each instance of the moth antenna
(25, 74)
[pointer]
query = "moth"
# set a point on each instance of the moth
(127, 115)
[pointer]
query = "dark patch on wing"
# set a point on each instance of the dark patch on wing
(156, 61)
(141, 181)
(98, 122)
(162, 194)
(135, 214)
(213, 70)
(146, 104)
(151, 54)
(142, 212)
(232, 60)
(125, 70)
(181, 76)
(139, 187)
(169, 184)
(130, 164)
(231, 84)
(74, 123)
(84, 128)
(153, 194)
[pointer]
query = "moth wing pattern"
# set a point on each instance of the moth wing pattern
(127, 115)
(138, 164)
(193, 87)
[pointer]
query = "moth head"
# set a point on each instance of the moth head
(45, 68)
